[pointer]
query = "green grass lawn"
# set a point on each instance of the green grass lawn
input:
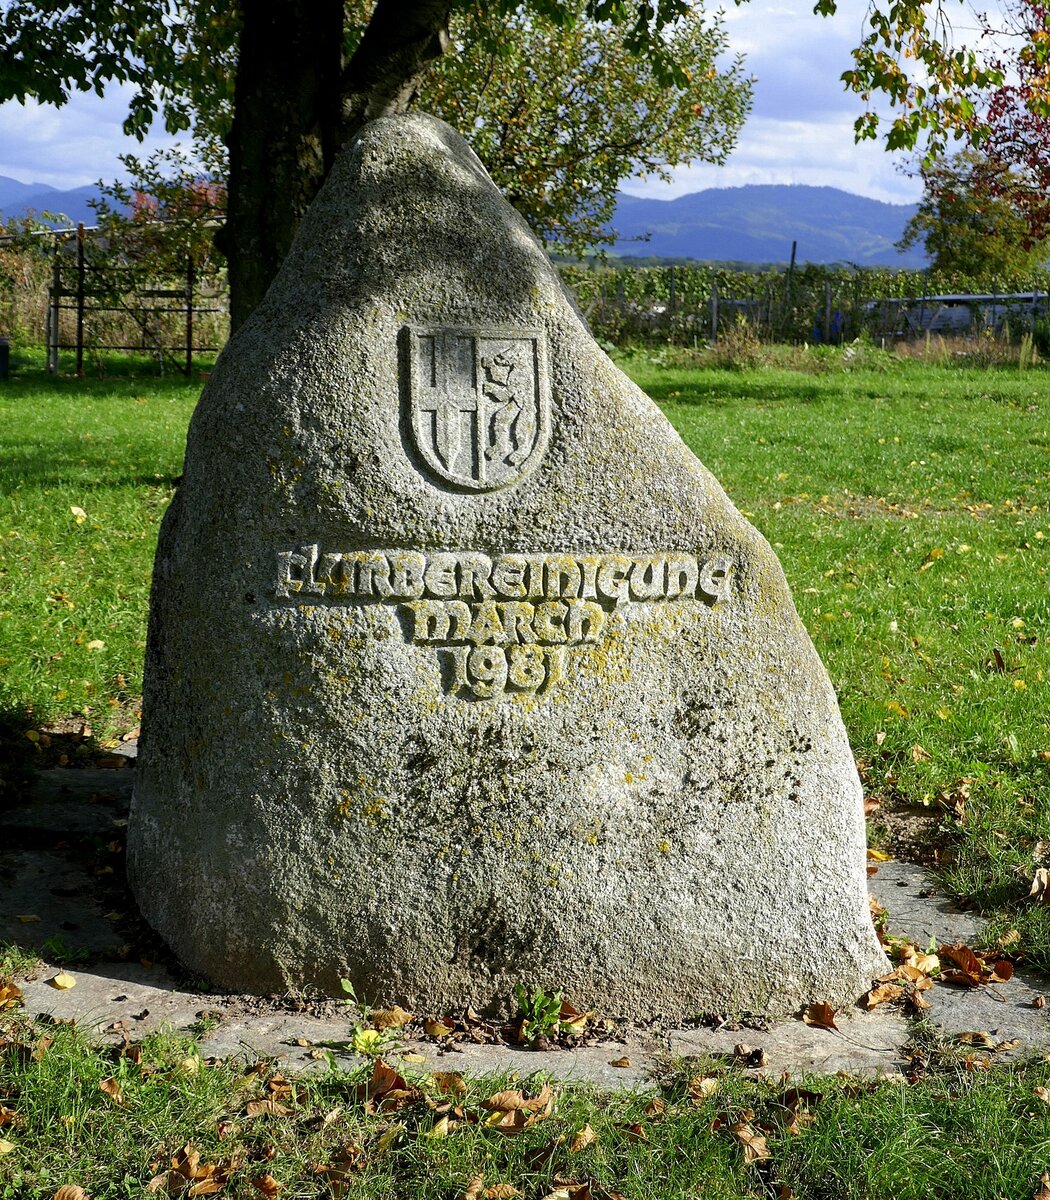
(909, 506)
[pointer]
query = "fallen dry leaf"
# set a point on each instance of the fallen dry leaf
(439, 1028)
(635, 1132)
(969, 970)
(501, 1191)
(1040, 889)
(391, 1018)
(980, 1038)
(62, 981)
(112, 1090)
(474, 1188)
(882, 995)
(267, 1185)
(820, 1014)
(10, 996)
(655, 1107)
(755, 1146)
(450, 1083)
(1043, 1192)
(586, 1137)
(701, 1087)
(6, 1147)
(442, 1128)
(71, 1191)
(266, 1108)
(620, 1062)
(512, 1101)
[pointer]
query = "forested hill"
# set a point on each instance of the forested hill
(19, 199)
(758, 223)
(753, 224)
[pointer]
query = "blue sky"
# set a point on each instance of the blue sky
(800, 130)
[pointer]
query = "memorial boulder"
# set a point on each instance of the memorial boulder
(462, 670)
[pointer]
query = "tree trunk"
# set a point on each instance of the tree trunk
(295, 104)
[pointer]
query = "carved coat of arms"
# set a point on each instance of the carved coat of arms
(478, 404)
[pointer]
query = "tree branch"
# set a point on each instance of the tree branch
(401, 40)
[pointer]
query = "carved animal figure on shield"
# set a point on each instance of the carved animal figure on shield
(511, 427)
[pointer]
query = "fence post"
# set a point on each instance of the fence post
(714, 311)
(827, 312)
(80, 300)
(788, 289)
(53, 315)
(190, 275)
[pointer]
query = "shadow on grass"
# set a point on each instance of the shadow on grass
(742, 388)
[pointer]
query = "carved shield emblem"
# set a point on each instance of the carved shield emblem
(478, 404)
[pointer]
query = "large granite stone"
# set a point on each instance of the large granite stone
(462, 669)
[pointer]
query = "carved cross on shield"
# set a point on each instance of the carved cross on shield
(478, 404)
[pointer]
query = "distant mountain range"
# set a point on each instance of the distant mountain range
(753, 224)
(757, 224)
(17, 199)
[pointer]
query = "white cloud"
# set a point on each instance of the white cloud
(800, 131)
(76, 144)
(821, 153)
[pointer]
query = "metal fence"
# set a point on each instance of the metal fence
(100, 299)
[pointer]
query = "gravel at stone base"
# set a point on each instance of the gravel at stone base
(70, 808)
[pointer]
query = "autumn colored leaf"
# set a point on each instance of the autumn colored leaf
(656, 1107)
(510, 1122)
(512, 1101)
(10, 996)
(266, 1108)
(1042, 1093)
(882, 994)
(820, 1014)
(207, 1186)
(501, 1191)
(474, 1189)
(450, 1083)
(391, 1018)
(1040, 889)
(980, 1038)
(586, 1137)
(798, 1103)
(62, 982)
(572, 1189)
(279, 1087)
(267, 1186)
(970, 971)
(701, 1088)
(8, 1116)
(6, 1147)
(442, 1128)
(620, 1062)
(755, 1146)
(388, 1138)
(112, 1089)
(71, 1191)
(439, 1027)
